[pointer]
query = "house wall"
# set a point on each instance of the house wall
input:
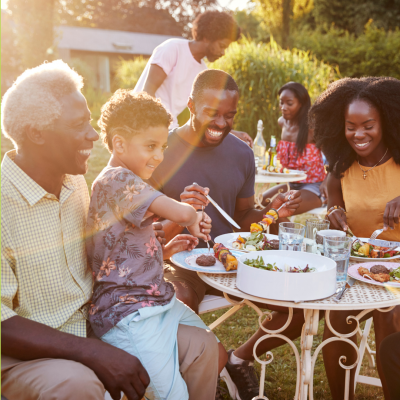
(102, 64)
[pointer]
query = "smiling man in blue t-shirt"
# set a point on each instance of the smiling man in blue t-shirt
(204, 151)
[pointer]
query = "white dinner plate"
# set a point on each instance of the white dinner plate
(187, 260)
(368, 259)
(292, 172)
(353, 272)
(228, 238)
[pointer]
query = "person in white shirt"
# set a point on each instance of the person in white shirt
(170, 71)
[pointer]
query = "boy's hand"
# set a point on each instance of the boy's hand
(159, 232)
(202, 227)
(179, 243)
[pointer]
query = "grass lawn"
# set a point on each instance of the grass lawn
(281, 373)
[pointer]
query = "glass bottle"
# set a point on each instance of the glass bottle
(272, 152)
(259, 145)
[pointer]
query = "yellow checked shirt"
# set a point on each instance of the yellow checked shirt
(44, 274)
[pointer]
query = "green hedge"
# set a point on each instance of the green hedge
(128, 72)
(374, 53)
(260, 70)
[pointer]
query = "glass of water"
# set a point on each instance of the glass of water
(291, 236)
(338, 249)
(313, 225)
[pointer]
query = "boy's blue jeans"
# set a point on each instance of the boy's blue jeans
(154, 336)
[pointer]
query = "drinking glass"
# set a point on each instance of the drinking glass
(313, 225)
(338, 249)
(291, 235)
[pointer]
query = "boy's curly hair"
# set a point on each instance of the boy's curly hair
(128, 113)
(215, 25)
(327, 117)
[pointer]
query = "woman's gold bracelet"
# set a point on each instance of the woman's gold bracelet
(333, 209)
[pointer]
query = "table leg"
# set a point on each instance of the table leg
(344, 337)
(271, 334)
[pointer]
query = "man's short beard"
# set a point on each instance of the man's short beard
(198, 128)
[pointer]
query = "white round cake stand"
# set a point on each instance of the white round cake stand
(361, 296)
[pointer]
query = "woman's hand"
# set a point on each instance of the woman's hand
(290, 205)
(324, 191)
(202, 227)
(243, 136)
(179, 243)
(391, 215)
(338, 220)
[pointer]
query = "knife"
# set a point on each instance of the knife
(384, 243)
(348, 285)
(227, 217)
(224, 214)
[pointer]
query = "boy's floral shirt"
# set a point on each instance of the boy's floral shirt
(123, 252)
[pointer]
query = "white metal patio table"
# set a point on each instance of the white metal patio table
(361, 297)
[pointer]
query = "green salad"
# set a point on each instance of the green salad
(260, 264)
(395, 275)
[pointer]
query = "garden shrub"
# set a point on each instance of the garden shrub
(374, 53)
(127, 72)
(260, 70)
(95, 97)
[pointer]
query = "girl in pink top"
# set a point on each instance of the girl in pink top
(297, 149)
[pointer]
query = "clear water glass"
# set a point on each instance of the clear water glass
(338, 249)
(291, 236)
(313, 225)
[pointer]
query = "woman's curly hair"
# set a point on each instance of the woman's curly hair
(215, 25)
(128, 113)
(327, 117)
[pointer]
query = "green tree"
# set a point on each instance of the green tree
(151, 16)
(10, 55)
(260, 70)
(373, 53)
(34, 21)
(353, 15)
(278, 16)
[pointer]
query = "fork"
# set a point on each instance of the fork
(202, 217)
(375, 234)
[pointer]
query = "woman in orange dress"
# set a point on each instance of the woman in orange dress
(357, 124)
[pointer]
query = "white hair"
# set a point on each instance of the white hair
(33, 98)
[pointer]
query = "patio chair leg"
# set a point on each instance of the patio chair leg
(225, 316)
(364, 346)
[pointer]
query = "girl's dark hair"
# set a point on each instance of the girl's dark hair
(302, 95)
(327, 117)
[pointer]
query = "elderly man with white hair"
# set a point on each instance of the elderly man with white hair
(46, 286)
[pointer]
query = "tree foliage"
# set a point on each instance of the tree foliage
(277, 17)
(374, 53)
(353, 15)
(260, 70)
(34, 21)
(10, 55)
(171, 17)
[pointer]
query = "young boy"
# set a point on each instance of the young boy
(133, 308)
